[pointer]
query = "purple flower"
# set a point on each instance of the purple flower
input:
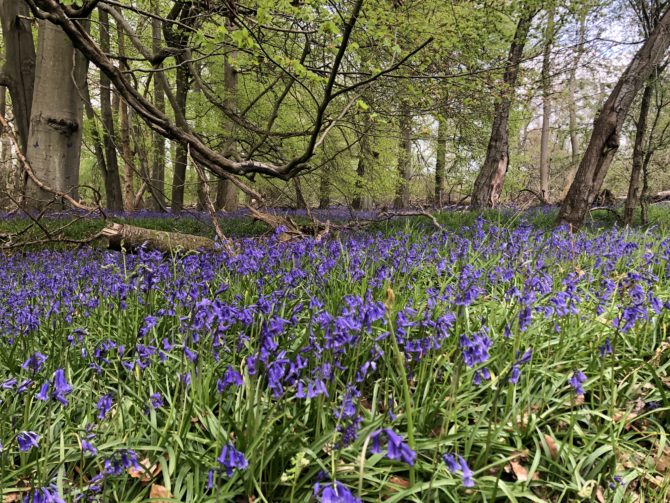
(576, 381)
(334, 492)
(396, 447)
(44, 392)
(230, 378)
(47, 494)
(61, 387)
(459, 466)
(156, 400)
(605, 349)
(231, 458)
(27, 440)
(103, 406)
(88, 448)
(34, 363)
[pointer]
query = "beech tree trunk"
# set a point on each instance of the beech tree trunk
(361, 200)
(402, 198)
(572, 110)
(227, 193)
(18, 72)
(181, 153)
(324, 188)
(54, 145)
(301, 202)
(546, 107)
(604, 140)
(131, 237)
(111, 166)
(440, 160)
(491, 177)
(6, 170)
(633, 197)
(157, 174)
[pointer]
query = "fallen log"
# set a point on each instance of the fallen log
(131, 237)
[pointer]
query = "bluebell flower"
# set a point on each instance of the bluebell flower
(156, 400)
(88, 448)
(34, 362)
(461, 465)
(578, 378)
(605, 349)
(27, 440)
(334, 492)
(104, 405)
(397, 449)
(47, 494)
(230, 458)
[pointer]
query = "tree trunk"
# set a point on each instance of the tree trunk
(157, 175)
(604, 140)
(402, 197)
(301, 202)
(124, 132)
(227, 193)
(19, 68)
(546, 107)
(181, 154)
(324, 188)
(131, 237)
(441, 159)
(361, 200)
(111, 173)
(5, 157)
(489, 182)
(54, 145)
(572, 110)
(633, 198)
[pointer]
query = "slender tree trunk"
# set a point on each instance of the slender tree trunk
(489, 182)
(604, 140)
(227, 193)
(301, 202)
(124, 133)
(361, 200)
(6, 174)
(18, 72)
(402, 198)
(441, 159)
(54, 145)
(112, 179)
(324, 188)
(633, 198)
(157, 176)
(546, 107)
(572, 110)
(98, 148)
(181, 153)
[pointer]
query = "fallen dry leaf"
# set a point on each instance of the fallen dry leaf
(146, 472)
(663, 461)
(158, 491)
(399, 481)
(11, 498)
(551, 446)
(600, 496)
(519, 471)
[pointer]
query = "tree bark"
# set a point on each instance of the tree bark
(54, 145)
(604, 140)
(181, 153)
(633, 197)
(402, 197)
(111, 166)
(19, 67)
(131, 237)
(6, 170)
(491, 177)
(546, 107)
(440, 159)
(324, 188)
(157, 175)
(301, 202)
(227, 193)
(361, 200)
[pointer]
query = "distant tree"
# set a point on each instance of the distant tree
(605, 137)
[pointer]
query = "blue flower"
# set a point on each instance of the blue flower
(459, 466)
(334, 492)
(578, 378)
(231, 458)
(103, 406)
(27, 440)
(34, 363)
